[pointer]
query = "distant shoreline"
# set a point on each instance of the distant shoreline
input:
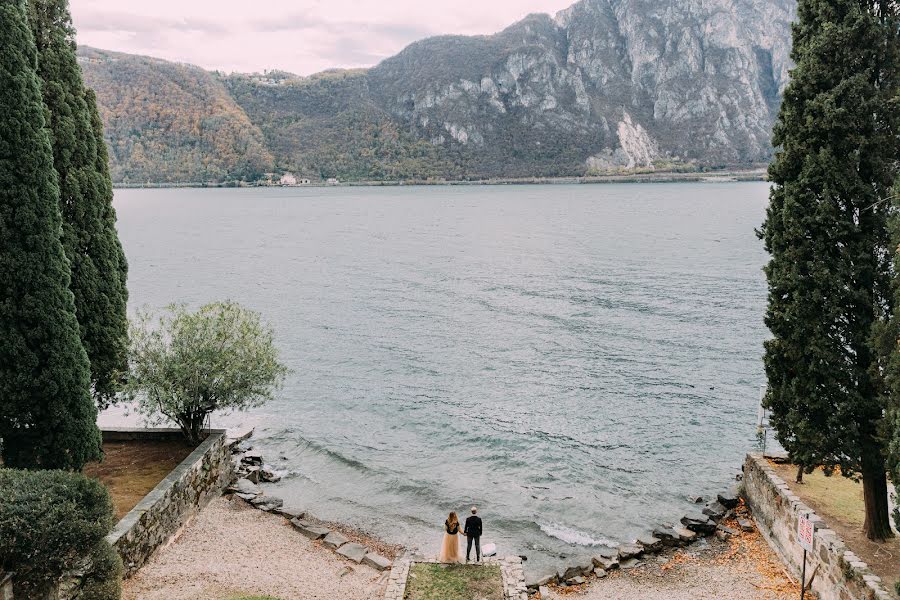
(657, 177)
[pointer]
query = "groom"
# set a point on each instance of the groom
(473, 534)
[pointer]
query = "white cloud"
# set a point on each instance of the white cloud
(304, 36)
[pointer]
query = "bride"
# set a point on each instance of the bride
(450, 548)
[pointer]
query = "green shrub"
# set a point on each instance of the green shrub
(52, 522)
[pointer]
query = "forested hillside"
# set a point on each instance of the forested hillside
(605, 86)
(168, 122)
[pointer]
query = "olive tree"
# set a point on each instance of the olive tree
(184, 365)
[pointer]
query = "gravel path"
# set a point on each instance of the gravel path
(744, 568)
(231, 549)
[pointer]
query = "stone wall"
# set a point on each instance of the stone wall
(188, 488)
(841, 574)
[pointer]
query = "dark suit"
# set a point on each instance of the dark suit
(473, 534)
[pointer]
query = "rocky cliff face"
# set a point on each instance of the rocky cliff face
(605, 85)
(629, 82)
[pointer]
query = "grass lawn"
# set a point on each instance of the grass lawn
(454, 582)
(839, 501)
(131, 469)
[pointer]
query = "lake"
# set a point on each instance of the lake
(576, 360)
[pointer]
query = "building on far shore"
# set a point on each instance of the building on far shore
(291, 179)
(332, 181)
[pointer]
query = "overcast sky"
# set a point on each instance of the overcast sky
(301, 36)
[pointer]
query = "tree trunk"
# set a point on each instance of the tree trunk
(800, 474)
(877, 525)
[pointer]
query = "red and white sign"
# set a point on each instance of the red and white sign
(806, 532)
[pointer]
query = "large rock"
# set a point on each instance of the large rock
(667, 535)
(534, 579)
(730, 499)
(580, 567)
(353, 551)
(607, 564)
(715, 510)
(290, 511)
(310, 530)
(627, 551)
(698, 522)
(650, 543)
(267, 503)
(685, 536)
(377, 561)
(253, 457)
(268, 474)
(335, 539)
(244, 486)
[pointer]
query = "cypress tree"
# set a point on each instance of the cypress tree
(99, 269)
(47, 415)
(826, 231)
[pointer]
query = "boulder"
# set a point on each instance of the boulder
(268, 474)
(353, 551)
(376, 561)
(579, 580)
(630, 563)
(540, 578)
(715, 510)
(600, 573)
(289, 511)
(696, 499)
(252, 475)
(544, 591)
(247, 497)
(730, 499)
(745, 524)
(627, 551)
(685, 536)
(581, 567)
(727, 530)
(607, 564)
(267, 503)
(698, 522)
(334, 540)
(244, 486)
(313, 532)
(252, 457)
(666, 535)
(650, 543)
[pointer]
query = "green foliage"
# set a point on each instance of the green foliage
(170, 123)
(185, 365)
(52, 522)
(826, 230)
(889, 346)
(98, 266)
(47, 416)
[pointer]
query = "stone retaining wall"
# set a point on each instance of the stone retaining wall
(188, 488)
(841, 574)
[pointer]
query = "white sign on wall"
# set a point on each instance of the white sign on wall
(806, 532)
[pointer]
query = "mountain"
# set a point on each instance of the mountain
(604, 86)
(168, 123)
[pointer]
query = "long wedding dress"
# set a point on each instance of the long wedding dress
(450, 552)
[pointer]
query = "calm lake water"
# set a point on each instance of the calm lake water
(575, 360)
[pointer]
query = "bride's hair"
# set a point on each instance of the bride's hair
(452, 520)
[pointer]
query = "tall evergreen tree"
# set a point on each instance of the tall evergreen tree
(829, 275)
(47, 415)
(99, 270)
